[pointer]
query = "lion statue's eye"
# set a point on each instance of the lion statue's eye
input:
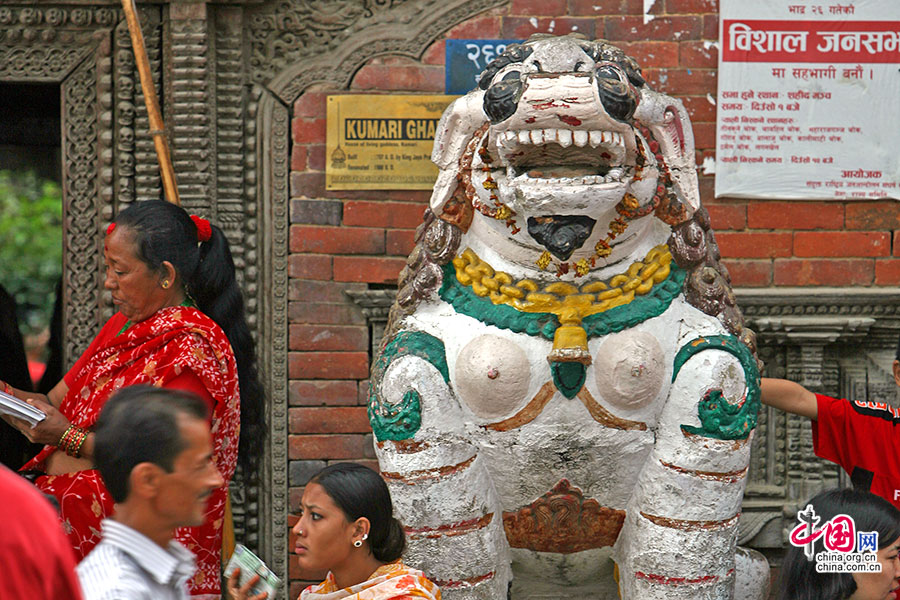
(512, 75)
(502, 98)
(616, 94)
(609, 72)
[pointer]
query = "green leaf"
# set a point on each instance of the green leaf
(30, 245)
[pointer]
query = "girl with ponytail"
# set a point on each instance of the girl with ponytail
(180, 325)
(347, 528)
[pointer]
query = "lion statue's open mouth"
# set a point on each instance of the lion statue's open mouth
(563, 156)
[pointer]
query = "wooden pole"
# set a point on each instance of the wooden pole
(157, 127)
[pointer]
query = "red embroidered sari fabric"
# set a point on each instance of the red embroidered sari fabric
(176, 345)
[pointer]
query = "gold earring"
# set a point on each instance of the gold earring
(165, 284)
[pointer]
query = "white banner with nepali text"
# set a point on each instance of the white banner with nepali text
(808, 100)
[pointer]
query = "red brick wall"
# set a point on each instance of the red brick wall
(345, 240)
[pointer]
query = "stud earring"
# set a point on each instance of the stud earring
(165, 284)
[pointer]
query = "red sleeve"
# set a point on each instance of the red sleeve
(38, 556)
(109, 331)
(857, 434)
(189, 382)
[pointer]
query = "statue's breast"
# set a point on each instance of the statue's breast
(629, 369)
(506, 381)
(492, 376)
(518, 347)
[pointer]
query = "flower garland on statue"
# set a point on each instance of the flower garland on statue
(498, 211)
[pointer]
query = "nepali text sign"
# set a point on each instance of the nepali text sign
(464, 61)
(381, 142)
(808, 99)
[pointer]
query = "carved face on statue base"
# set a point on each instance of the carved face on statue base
(566, 389)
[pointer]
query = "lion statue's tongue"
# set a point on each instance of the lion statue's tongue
(561, 234)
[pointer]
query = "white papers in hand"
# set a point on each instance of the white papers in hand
(10, 405)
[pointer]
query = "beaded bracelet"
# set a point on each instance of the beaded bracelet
(74, 447)
(61, 444)
(72, 440)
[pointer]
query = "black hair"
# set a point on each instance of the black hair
(54, 369)
(799, 579)
(361, 492)
(165, 232)
(139, 424)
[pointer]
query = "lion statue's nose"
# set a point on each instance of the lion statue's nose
(561, 234)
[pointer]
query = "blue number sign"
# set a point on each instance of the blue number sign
(466, 59)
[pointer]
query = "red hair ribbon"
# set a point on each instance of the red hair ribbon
(204, 229)
(111, 228)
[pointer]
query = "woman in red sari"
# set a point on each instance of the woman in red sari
(180, 325)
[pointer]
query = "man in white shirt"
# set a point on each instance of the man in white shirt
(153, 448)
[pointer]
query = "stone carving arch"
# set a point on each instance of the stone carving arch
(296, 44)
(271, 148)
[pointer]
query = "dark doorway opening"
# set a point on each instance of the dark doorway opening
(30, 126)
(30, 246)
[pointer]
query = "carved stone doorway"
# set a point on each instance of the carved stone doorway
(107, 155)
(72, 48)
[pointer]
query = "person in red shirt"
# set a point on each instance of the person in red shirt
(860, 436)
(38, 561)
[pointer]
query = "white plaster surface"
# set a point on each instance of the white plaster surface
(589, 573)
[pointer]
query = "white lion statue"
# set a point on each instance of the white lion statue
(565, 397)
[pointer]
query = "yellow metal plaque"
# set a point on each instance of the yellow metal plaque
(382, 142)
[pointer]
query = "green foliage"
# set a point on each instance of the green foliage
(30, 245)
